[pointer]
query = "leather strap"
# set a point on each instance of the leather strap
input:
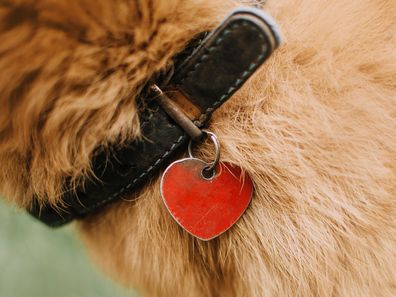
(216, 69)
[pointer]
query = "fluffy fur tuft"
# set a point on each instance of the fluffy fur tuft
(315, 128)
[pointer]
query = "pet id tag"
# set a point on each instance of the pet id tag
(205, 199)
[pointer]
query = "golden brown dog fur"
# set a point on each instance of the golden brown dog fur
(315, 128)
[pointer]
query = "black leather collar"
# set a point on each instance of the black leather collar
(209, 76)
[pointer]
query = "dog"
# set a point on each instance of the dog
(314, 127)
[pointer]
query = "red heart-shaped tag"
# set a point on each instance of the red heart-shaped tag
(205, 207)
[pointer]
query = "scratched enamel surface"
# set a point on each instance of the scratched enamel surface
(205, 208)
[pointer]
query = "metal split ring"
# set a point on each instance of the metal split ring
(211, 166)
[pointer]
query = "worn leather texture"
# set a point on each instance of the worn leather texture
(223, 61)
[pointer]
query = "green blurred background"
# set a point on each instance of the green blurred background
(36, 261)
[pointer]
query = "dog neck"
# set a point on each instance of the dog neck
(176, 107)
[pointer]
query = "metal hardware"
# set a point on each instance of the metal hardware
(212, 166)
(176, 113)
